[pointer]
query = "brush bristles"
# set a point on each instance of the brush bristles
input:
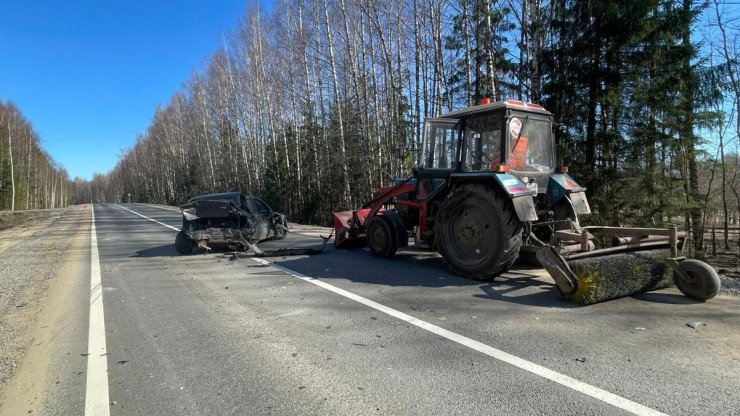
(618, 275)
(590, 283)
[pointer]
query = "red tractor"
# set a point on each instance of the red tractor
(488, 186)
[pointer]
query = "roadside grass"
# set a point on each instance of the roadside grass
(10, 219)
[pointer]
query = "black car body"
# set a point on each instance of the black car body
(229, 218)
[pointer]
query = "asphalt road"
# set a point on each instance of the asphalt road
(344, 333)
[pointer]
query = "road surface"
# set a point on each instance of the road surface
(344, 333)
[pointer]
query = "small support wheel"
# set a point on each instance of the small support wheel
(381, 237)
(699, 280)
(183, 244)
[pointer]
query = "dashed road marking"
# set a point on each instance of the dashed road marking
(150, 219)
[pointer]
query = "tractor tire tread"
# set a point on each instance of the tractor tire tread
(507, 226)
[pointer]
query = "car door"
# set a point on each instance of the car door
(263, 216)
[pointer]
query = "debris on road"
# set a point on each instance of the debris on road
(695, 325)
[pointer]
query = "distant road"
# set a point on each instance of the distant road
(345, 333)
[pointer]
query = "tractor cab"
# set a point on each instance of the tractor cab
(508, 136)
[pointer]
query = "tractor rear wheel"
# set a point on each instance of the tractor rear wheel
(183, 244)
(478, 232)
(381, 238)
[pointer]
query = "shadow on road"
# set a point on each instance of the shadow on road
(523, 285)
(159, 251)
(667, 298)
(536, 292)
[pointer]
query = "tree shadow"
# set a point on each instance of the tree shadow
(411, 267)
(523, 285)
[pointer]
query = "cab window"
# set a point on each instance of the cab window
(483, 142)
(440, 144)
(530, 144)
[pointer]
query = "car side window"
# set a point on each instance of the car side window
(261, 207)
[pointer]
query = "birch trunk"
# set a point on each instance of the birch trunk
(12, 173)
(338, 104)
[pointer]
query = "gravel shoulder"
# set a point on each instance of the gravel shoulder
(32, 258)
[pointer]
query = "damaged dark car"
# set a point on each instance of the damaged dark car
(229, 219)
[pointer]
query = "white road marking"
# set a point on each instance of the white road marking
(150, 219)
(570, 382)
(536, 369)
(96, 394)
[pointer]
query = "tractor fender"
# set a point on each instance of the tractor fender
(519, 193)
(562, 185)
(402, 236)
(525, 209)
(580, 203)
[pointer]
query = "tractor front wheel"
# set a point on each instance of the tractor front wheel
(381, 238)
(478, 232)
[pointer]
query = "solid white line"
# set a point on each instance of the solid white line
(150, 219)
(562, 379)
(96, 394)
(521, 363)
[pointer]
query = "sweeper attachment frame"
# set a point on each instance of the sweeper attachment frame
(487, 187)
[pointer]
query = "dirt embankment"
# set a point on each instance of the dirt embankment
(33, 246)
(10, 219)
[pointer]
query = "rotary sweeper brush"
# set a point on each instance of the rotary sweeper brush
(646, 259)
(487, 189)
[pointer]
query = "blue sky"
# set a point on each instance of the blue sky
(89, 74)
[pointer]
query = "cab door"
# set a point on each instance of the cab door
(440, 157)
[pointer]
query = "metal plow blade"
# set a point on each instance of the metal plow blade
(348, 228)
